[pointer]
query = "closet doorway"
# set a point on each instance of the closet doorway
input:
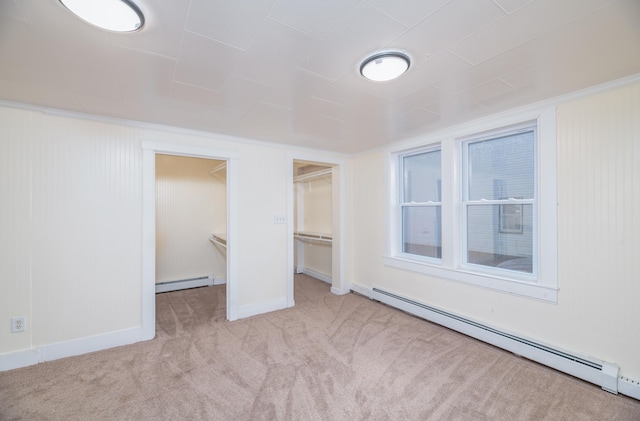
(191, 222)
(218, 235)
(316, 204)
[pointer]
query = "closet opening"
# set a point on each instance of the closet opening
(191, 222)
(209, 255)
(313, 220)
(316, 207)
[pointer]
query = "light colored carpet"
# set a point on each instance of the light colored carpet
(329, 358)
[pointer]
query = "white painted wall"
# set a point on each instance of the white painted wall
(598, 226)
(190, 205)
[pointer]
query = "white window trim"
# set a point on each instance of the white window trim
(545, 287)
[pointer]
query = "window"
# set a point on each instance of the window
(499, 199)
(473, 206)
(420, 204)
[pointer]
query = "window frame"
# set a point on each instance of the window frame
(543, 285)
(466, 202)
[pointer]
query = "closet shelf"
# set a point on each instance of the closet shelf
(217, 169)
(219, 239)
(313, 175)
(313, 236)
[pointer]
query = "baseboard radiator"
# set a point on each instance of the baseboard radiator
(598, 372)
(202, 281)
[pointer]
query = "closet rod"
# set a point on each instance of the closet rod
(218, 240)
(315, 174)
(218, 168)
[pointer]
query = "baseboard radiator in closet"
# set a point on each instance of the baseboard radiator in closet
(202, 281)
(598, 372)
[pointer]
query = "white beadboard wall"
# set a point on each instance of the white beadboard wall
(70, 216)
(15, 214)
(190, 205)
(598, 145)
(599, 223)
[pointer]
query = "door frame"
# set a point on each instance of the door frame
(149, 152)
(339, 284)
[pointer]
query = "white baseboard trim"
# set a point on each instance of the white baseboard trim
(340, 291)
(18, 359)
(360, 289)
(317, 275)
(262, 307)
(70, 348)
(219, 281)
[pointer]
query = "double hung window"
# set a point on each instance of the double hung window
(499, 200)
(421, 204)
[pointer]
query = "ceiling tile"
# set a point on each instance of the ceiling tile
(527, 23)
(12, 9)
(420, 99)
(300, 86)
(267, 122)
(505, 63)
(440, 67)
(485, 91)
(204, 62)
(144, 75)
(243, 94)
(234, 23)
(408, 12)
(318, 18)
(196, 96)
(274, 54)
(510, 6)
(450, 23)
(91, 80)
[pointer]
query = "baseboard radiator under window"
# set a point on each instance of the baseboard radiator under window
(202, 281)
(598, 372)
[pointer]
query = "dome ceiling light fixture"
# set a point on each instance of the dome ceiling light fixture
(112, 15)
(385, 66)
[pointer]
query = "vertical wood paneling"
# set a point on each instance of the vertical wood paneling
(599, 227)
(190, 205)
(15, 212)
(86, 229)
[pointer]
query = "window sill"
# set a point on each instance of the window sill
(510, 286)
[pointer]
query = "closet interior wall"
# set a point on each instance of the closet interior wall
(313, 220)
(190, 206)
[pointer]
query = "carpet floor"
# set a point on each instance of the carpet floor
(328, 358)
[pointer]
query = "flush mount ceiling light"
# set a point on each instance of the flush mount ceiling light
(385, 66)
(112, 15)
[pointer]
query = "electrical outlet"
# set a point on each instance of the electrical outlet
(18, 324)
(279, 219)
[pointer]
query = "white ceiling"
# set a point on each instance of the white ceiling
(287, 70)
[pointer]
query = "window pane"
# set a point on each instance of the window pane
(421, 231)
(503, 167)
(500, 236)
(421, 178)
